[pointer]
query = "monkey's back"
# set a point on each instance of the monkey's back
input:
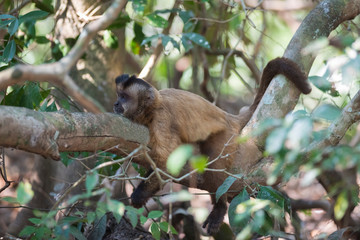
(196, 118)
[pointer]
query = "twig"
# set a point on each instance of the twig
(156, 170)
(203, 85)
(249, 63)
(244, 82)
(196, 19)
(23, 4)
(223, 68)
(82, 178)
(3, 170)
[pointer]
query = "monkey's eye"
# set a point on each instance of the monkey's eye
(122, 96)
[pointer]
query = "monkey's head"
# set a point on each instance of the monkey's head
(135, 98)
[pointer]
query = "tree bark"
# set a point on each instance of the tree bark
(51, 133)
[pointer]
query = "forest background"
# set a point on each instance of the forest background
(59, 60)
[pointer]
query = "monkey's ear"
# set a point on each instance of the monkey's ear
(150, 94)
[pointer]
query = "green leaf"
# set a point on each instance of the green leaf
(185, 17)
(197, 39)
(143, 219)
(268, 193)
(65, 159)
(6, 16)
(139, 6)
(45, 5)
(199, 163)
(29, 29)
(13, 27)
(24, 193)
(155, 214)
(155, 231)
(32, 97)
(275, 140)
(166, 39)
(42, 232)
(133, 215)
(157, 21)
(92, 179)
(321, 83)
(178, 158)
(100, 229)
(76, 233)
(186, 43)
(9, 199)
(148, 40)
(300, 134)
(33, 16)
(5, 23)
(91, 216)
(120, 22)
(117, 208)
(9, 51)
(41, 40)
(326, 112)
(341, 205)
(240, 198)
(225, 186)
(110, 39)
(164, 226)
(35, 221)
(173, 230)
(27, 231)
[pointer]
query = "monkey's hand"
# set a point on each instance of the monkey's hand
(215, 219)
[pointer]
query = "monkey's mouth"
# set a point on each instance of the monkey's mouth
(118, 110)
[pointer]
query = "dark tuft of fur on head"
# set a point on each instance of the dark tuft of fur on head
(122, 78)
(127, 81)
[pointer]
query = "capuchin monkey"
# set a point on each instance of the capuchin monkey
(175, 117)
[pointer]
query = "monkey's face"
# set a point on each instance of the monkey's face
(135, 98)
(126, 103)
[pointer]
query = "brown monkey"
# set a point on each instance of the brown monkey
(176, 117)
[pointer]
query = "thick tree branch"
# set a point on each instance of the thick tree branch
(349, 115)
(281, 97)
(57, 73)
(51, 133)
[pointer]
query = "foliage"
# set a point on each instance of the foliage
(208, 31)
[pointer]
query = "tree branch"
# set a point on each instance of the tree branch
(281, 96)
(51, 133)
(57, 73)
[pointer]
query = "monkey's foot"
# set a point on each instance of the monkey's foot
(214, 221)
(139, 198)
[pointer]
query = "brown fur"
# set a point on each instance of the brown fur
(176, 117)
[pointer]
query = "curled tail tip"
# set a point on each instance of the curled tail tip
(307, 89)
(292, 71)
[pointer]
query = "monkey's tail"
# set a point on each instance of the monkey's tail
(286, 67)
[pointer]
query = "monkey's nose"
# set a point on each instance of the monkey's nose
(118, 108)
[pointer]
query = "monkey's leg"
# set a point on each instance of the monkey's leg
(216, 217)
(145, 190)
